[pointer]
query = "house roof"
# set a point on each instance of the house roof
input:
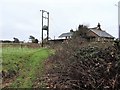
(66, 34)
(97, 30)
(101, 33)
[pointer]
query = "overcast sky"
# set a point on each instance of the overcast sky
(22, 18)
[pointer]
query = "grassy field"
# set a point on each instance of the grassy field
(22, 63)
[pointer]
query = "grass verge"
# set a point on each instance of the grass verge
(24, 62)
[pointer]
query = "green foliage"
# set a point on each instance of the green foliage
(81, 32)
(81, 65)
(16, 40)
(117, 43)
(33, 39)
(22, 62)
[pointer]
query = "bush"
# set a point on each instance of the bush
(117, 43)
(85, 68)
(79, 64)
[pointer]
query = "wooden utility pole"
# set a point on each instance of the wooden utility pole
(42, 29)
(118, 19)
(45, 27)
(48, 27)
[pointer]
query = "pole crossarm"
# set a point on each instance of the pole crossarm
(44, 11)
(45, 17)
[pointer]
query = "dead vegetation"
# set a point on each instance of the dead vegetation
(82, 65)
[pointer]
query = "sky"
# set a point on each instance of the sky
(22, 18)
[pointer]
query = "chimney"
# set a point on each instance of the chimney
(71, 30)
(99, 26)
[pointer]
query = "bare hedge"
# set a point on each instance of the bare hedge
(83, 68)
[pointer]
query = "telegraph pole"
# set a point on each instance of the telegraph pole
(48, 27)
(45, 27)
(42, 29)
(118, 19)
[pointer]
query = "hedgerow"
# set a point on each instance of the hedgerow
(83, 66)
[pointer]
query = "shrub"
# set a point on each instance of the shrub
(117, 43)
(82, 65)
(85, 68)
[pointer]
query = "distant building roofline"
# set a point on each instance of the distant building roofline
(66, 34)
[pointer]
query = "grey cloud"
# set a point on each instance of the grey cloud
(24, 16)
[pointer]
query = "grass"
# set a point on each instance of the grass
(25, 62)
